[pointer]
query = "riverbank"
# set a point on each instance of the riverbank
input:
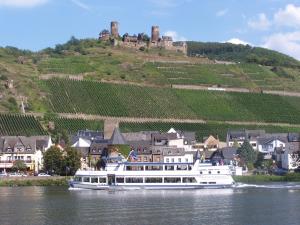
(33, 181)
(291, 177)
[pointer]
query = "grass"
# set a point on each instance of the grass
(290, 177)
(57, 181)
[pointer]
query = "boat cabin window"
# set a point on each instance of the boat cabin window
(102, 180)
(172, 180)
(209, 172)
(134, 180)
(153, 167)
(201, 172)
(153, 180)
(169, 167)
(212, 182)
(120, 179)
(79, 179)
(189, 180)
(218, 171)
(94, 179)
(86, 179)
(203, 182)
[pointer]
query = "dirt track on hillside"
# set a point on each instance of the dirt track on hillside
(162, 120)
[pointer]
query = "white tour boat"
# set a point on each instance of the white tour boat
(150, 175)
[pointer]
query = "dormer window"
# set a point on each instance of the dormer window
(9, 149)
(28, 149)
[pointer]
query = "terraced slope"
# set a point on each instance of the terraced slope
(70, 96)
(74, 125)
(20, 125)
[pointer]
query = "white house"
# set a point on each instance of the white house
(269, 144)
(27, 149)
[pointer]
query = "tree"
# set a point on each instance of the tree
(71, 161)
(53, 160)
(247, 153)
(19, 165)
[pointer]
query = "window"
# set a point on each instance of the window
(203, 182)
(218, 172)
(172, 180)
(145, 158)
(167, 160)
(189, 180)
(172, 160)
(28, 158)
(186, 159)
(94, 179)
(201, 172)
(209, 172)
(120, 179)
(86, 179)
(169, 167)
(212, 182)
(153, 180)
(134, 180)
(102, 180)
(78, 179)
(179, 160)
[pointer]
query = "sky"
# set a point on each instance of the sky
(37, 24)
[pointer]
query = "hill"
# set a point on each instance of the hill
(76, 77)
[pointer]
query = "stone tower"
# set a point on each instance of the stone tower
(114, 29)
(154, 33)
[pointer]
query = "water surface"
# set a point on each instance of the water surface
(247, 204)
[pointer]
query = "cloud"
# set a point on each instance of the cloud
(260, 23)
(237, 41)
(222, 12)
(288, 43)
(81, 5)
(175, 36)
(22, 3)
(290, 16)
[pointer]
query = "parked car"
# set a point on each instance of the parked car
(16, 174)
(3, 174)
(43, 175)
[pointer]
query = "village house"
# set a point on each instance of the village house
(237, 137)
(27, 149)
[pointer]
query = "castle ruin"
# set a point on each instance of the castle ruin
(142, 39)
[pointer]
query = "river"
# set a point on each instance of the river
(246, 204)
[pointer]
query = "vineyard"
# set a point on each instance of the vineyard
(20, 125)
(70, 96)
(74, 125)
(202, 130)
(211, 105)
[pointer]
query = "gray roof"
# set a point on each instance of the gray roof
(292, 147)
(229, 152)
(31, 144)
(138, 136)
(269, 138)
(89, 134)
(117, 138)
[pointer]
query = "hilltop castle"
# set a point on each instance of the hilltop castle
(142, 39)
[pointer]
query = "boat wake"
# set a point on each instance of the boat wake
(292, 186)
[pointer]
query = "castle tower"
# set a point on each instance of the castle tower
(114, 29)
(155, 34)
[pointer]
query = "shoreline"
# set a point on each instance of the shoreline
(33, 181)
(63, 181)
